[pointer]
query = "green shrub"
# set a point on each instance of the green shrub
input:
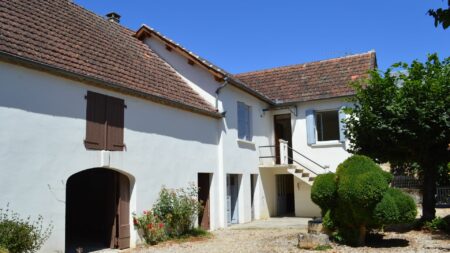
(151, 227)
(323, 191)
(386, 211)
(365, 189)
(360, 199)
(438, 223)
(178, 209)
(356, 165)
(327, 222)
(19, 235)
(387, 176)
(3, 250)
(405, 205)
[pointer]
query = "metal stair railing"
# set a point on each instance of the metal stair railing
(323, 167)
(275, 156)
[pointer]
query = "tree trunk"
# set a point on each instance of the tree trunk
(429, 191)
(362, 236)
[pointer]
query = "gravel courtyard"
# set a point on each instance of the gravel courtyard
(280, 235)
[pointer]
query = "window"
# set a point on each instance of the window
(327, 125)
(104, 122)
(244, 121)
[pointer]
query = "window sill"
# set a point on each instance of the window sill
(246, 142)
(328, 144)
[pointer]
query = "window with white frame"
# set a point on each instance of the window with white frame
(244, 121)
(327, 125)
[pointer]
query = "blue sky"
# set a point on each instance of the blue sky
(246, 35)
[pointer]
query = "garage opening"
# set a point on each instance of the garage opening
(285, 195)
(97, 210)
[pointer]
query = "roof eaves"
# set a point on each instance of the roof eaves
(95, 81)
(241, 85)
(293, 102)
(148, 31)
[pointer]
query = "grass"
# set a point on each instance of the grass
(193, 235)
(323, 247)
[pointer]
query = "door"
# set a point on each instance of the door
(204, 186)
(97, 210)
(285, 195)
(120, 234)
(253, 179)
(232, 198)
(283, 130)
(123, 214)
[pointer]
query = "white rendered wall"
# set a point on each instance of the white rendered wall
(325, 153)
(42, 128)
(235, 157)
(197, 77)
(242, 157)
(304, 207)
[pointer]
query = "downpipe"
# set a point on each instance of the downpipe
(225, 83)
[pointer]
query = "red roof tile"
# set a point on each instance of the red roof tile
(310, 81)
(63, 35)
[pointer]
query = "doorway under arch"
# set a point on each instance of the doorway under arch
(97, 210)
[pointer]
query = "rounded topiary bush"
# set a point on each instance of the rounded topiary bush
(365, 189)
(327, 222)
(358, 198)
(323, 191)
(405, 205)
(387, 176)
(356, 165)
(386, 211)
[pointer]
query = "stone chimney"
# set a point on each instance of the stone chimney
(113, 17)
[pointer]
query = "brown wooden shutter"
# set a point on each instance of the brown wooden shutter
(115, 121)
(95, 121)
(124, 213)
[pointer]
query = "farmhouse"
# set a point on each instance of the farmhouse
(95, 118)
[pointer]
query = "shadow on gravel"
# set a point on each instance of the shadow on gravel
(377, 241)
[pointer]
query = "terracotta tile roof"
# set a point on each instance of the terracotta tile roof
(146, 30)
(310, 81)
(63, 35)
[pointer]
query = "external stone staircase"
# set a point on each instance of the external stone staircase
(302, 173)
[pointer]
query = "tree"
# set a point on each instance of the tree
(404, 118)
(357, 199)
(441, 16)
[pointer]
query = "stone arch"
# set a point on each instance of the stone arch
(98, 209)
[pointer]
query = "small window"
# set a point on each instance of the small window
(327, 125)
(244, 121)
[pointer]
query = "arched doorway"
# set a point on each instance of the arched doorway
(97, 210)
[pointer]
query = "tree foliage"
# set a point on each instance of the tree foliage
(404, 118)
(441, 16)
(358, 198)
